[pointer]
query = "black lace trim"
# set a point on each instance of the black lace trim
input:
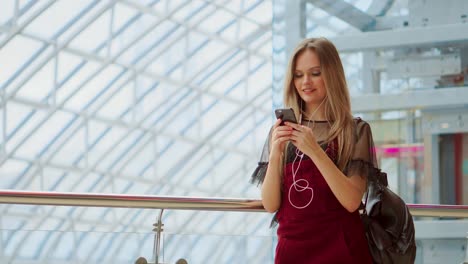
(366, 169)
(274, 221)
(259, 173)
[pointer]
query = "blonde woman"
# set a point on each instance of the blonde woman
(314, 173)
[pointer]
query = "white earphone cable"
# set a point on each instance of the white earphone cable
(296, 183)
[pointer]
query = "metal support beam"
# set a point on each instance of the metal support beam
(347, 12)
(18, 28)
(295, 27)
(289, 27)
(454, 96)
(404, 37)
(212, 36)
(445, 121)
(380, 8)
(434, 166)
(370, 77)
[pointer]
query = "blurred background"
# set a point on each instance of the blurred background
(176, 98)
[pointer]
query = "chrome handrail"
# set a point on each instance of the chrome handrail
(182, 203)
(438, 210)
(129, 201)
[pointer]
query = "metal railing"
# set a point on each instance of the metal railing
(132, 201)
(129, 201)
(181, 203)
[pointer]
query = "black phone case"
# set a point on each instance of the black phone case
(286, 115)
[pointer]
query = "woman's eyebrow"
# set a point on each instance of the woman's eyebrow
(311, 68)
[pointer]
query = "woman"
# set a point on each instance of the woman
(314, 173)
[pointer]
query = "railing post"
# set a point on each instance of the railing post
(141, 260)
(466, 250)
(158, 228)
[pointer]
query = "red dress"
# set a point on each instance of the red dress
(322, 232)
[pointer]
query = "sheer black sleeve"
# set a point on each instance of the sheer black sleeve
(259, 173)
(363, 161)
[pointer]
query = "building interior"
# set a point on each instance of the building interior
(176, 98)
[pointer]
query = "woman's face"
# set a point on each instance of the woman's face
(308, 78)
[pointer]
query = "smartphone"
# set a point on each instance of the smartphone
(286, 115)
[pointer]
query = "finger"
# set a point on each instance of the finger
(294, 125)
(277, 123)
(281, 136)
(281, 131)
(299, 131)
(284, 128)
(294, 137)
(296, 133)
(284, 133)
(281, 140)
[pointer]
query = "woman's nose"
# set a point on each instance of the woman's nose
(307, 79)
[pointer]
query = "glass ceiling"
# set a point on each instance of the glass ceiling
(133, 97)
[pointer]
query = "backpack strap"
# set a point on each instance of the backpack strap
(358, 120)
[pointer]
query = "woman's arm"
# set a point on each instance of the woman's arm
(348, 190)
(271, 187)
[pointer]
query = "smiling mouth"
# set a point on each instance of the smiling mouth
(308, 90)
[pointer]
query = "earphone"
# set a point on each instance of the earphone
(296, 183)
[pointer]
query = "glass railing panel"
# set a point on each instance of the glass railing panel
(48, 246)
(69, 234)
(219, 249)
(48, 227)
(441, 241)
(466, 250)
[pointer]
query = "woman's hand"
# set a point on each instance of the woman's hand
(271, 187)
(303, 138)
(279, 137)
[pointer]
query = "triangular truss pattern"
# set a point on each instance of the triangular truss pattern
(159, 97)
(117, 96)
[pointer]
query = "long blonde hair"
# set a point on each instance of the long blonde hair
(337, 102)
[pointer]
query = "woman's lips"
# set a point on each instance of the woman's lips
(308, 90)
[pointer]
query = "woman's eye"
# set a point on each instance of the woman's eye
(297, 75)
(316, 73)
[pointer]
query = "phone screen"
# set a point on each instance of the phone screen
(286, 115)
